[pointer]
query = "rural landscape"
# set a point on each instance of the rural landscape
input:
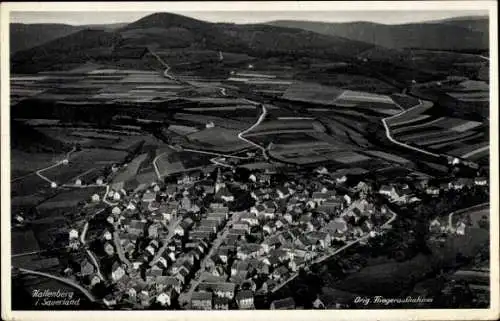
(171, 163)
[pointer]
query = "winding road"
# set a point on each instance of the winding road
(257, 123)
(388, 131)
(89, 253)
(66, 160)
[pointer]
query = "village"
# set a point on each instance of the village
(194, 242)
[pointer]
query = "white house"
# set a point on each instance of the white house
(432, 190)
(73, 234)
(341, 179)
(116, 211)
(481, 181)
(107, 235)
(117, 196)
(460, 228)
(95, 198)
(117, 273)
(163, 299)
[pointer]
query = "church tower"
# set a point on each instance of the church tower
(218, 181)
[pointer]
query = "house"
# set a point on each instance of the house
(279, 224)
(322, 237)
(201, 301)
(279, 254)
(200, 235)
(184, 227)
(117, 272)
(460, 228)
(249, 250)
(164, 299)
(283, 304)
(242, 225)
(221, 303)
(220, 289)
(95, 198)
(460, 183)
(320, 197)
(86, 268)
(165, 282)
(336, 225)
(283, 192)
(480, 181)
(109, 249)
(224, 194)
(94, 280)
(245, 300)
(318, 304)
(168, 211)
(435, 226)
(109, 300)
(389, 191)
(144, 297)
(269, 228)
(296, 263)
(432, 190)
(249, 218)
(149, 197)
(258, 209)
(136, 227)
(330, 206)
(155, 271)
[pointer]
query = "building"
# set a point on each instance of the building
(117, 272)
(245, 300)
(201, 301)
(220, 289)
(480, 181)
(221, 303)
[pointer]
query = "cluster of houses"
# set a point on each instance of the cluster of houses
(288, 226)
(168, 241)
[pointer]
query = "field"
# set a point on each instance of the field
(392, 278)
(80, 163)
(312, 92)
(67, 201)
(446, 135)
(168, 164)
(24, 163)
(96, 84)
(94, 138)
(129, 172)
(348, 81)
(23, 242)
(268, 127)
(202, 119)
(212, 138)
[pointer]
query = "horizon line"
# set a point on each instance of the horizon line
(60, 20)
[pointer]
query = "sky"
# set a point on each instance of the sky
(101, 17)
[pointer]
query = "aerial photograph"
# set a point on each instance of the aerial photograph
(210, 160)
